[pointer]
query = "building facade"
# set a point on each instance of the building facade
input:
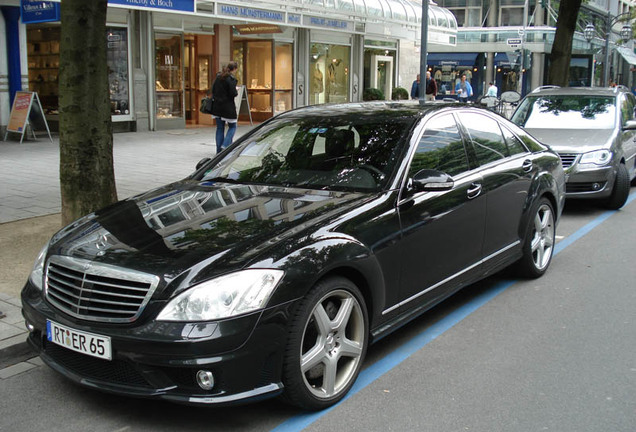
(164, 55)
(508, 42)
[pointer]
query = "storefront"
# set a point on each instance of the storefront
(265, 56)
(43, 61)
(162, 57)
(448, 68)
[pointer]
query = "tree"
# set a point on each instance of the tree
(559, 69)
(87, 176)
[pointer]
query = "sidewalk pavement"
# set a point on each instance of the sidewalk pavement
(30, 205)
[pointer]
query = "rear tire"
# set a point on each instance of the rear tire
(327, 345)
(538, 245)
(620, 193)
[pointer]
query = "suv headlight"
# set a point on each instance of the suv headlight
(37, 274)
(223, 297)
(598, 158)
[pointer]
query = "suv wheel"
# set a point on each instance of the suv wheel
(621, 189)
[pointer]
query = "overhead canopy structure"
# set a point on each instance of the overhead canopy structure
(628, 55)
(408, 13)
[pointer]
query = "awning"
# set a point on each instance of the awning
(628, 55)
(501, 59)
(453, 59)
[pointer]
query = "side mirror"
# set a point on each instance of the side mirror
(630, 125)
(432, 180)
(202, 162)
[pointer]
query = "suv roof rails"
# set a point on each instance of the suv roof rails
(545, 87)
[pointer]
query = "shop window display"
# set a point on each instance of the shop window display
(43, 57)
(266, 69)
(168, 75)
(117, 61)
(329, 73)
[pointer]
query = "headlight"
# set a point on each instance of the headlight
(598, 157)
(37, 274)
(223, 297)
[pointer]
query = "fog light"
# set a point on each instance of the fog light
(205, 379)
(30, 327)
(596, 186)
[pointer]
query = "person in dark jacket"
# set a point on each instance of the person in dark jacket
(224, 110)
(415, 88)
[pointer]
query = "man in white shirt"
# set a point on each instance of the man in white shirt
(492, 90)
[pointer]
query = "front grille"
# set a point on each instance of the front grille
(116, 371)
(584, 187)
(97, 292)
(568, 159)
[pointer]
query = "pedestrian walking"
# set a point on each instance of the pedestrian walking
(464, 90)
(224, 109)
(431, 87)
(492, 90)
(415, 88)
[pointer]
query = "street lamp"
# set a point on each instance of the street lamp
(626, 34)
(589, 33)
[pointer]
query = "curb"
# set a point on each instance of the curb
(16, 353)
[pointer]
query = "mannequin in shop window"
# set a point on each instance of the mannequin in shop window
(317, 85)
(331, 76)
(224, 109)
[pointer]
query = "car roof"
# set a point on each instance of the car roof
(576, 91)
(404, 108)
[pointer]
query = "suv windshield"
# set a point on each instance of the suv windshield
(566, 112)
(349, 152)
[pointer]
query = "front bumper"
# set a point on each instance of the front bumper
(161, 359)
(589, 183)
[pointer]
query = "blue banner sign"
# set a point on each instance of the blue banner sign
(251, 13)
(293, 18)
(32, 12)
(171, 5)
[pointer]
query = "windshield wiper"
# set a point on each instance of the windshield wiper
(221, 179)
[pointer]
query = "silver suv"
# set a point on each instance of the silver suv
(594, 132)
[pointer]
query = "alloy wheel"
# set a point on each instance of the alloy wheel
(542, 242)
(333, 344)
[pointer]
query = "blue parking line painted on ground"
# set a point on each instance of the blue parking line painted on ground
(589, 227)
(393, 359)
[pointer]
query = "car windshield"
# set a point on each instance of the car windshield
(351, 152)
(566, 112)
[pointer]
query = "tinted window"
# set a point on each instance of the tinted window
(486, 137)
(347, 152)
(513, 143)
(566, 111)
(440, 148)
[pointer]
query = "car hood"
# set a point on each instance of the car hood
(573, 140)
(215, 227)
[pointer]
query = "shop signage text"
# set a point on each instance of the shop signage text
(330, 23)
(173, 5)
(258, 28)
(39, 11)
(250, 13)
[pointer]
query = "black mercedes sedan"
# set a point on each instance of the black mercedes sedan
(271, 268)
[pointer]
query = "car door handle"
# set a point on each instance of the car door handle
(474, 190)
(527, 165)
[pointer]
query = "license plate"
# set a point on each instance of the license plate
(79, 341)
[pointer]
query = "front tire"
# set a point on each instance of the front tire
(538, 246)
(620, 193)
(327, 345)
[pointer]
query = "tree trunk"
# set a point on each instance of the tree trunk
(87, 177)
(559, 69)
